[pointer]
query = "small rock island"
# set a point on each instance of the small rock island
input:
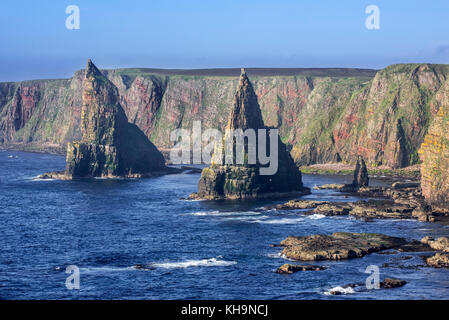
(242, 181)
(110, 145)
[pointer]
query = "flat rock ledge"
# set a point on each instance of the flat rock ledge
(341, 245)
(389, 283)
(403, 200)
(292, 268)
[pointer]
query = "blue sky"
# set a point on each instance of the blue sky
(217, 33)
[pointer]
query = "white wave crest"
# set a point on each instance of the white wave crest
(104, 269)
(279, 221)
(225, 213)
(275, 255)
(212, 262)
(339, 290)
(316, 216)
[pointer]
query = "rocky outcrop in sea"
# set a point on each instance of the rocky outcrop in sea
(110, 145)
(246, 180)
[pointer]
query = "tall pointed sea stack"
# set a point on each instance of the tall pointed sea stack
(239, 181)
(110, 146)
(434, 154)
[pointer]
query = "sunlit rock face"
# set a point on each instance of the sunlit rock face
(434, 154)
(247, 180)
(110, 146)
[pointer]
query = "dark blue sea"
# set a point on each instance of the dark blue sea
(197, 249)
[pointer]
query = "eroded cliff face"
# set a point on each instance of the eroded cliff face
(386, 121)
(321, 118)
(434, 153)
(41, 112)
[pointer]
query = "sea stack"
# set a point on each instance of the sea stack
(240, 181)
(434, 154)
(110, 145)
(361, 178)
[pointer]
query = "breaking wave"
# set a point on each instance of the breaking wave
(225, 213)
(212, 262)
(339, 290)
(316, 216)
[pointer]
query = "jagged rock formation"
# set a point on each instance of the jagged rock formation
(361, 178)
(435, 159)
(110, 146)
(237, 181)
(323, 115)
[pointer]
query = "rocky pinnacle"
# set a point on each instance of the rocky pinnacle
(237, 181)
(110, 146)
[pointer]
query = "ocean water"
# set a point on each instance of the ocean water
(196, 249)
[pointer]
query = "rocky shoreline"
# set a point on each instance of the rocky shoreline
(403, 200)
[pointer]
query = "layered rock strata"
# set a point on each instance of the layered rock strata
(110, 146)
(245, 179)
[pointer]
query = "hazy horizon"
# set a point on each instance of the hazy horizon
(201, 35)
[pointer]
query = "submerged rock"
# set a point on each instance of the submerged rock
(110, 145)
(300, 204)
(388, 283)
(144, 267)
(292, 268)
(338, 246)
(244, 180)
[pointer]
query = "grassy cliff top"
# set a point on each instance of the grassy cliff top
(263, 72)
(255, 72)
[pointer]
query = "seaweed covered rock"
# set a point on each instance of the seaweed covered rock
(238, 180)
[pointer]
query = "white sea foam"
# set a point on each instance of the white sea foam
(212, 262)
(225, 213)
(339, 290)
(316, 216)
(278, 221)
(105, 269)
(40, 179)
